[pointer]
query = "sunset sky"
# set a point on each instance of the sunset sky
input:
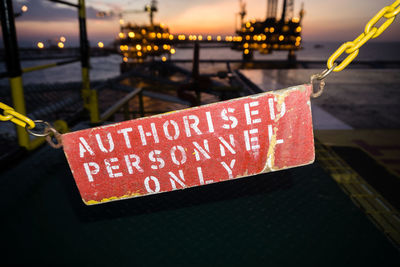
(325, 20)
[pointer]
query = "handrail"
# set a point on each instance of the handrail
(65, 3)
(123, 102)
(50, 65)
(14, 70)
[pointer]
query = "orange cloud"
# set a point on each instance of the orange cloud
(213, 18)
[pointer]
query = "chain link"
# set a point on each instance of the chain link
(45, 129)
(370, 32)
(9, 114)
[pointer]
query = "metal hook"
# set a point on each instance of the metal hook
(320, 77)
(47, 131)
(57, 136)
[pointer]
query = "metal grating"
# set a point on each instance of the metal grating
(381, 212)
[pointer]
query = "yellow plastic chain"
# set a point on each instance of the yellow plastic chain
(10, 114)
(370, 32)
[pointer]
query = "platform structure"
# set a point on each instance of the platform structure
(283, 218)
(357, 136)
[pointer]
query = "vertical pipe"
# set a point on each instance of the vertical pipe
(195, 72)
(13, 65)
(126, 111)
(89, 95)
(195, 69)
(141, 104)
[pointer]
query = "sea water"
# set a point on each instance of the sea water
(103, 68)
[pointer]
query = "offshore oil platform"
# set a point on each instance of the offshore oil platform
(137, 42)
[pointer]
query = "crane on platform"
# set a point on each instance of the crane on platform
(149, 8)
(287, 9)
(242, 13)
(272, 8)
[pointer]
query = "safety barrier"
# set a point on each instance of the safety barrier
(124, 103)
(14, 70)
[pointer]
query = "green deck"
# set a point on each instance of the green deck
(288, 218)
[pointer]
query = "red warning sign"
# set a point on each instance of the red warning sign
(198, 146)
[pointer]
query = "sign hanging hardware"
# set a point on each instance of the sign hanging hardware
(47, 131)
(320, 77)
(198, 146)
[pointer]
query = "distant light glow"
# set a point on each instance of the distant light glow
(40, 45)
(60, 44)
(164, 59)
(63, 39)
(100, 44)
(295, 20)
(24, 8)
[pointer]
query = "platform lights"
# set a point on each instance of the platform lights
(139, 42)
(61, 43)
(267, 35)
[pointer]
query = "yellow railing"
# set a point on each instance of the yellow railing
(17, 114)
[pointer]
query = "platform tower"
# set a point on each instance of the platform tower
(290, 9)
(272, 8)
(287, 9)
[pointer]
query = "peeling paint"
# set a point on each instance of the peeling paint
(94, 202)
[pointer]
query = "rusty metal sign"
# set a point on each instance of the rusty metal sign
(193, 147)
